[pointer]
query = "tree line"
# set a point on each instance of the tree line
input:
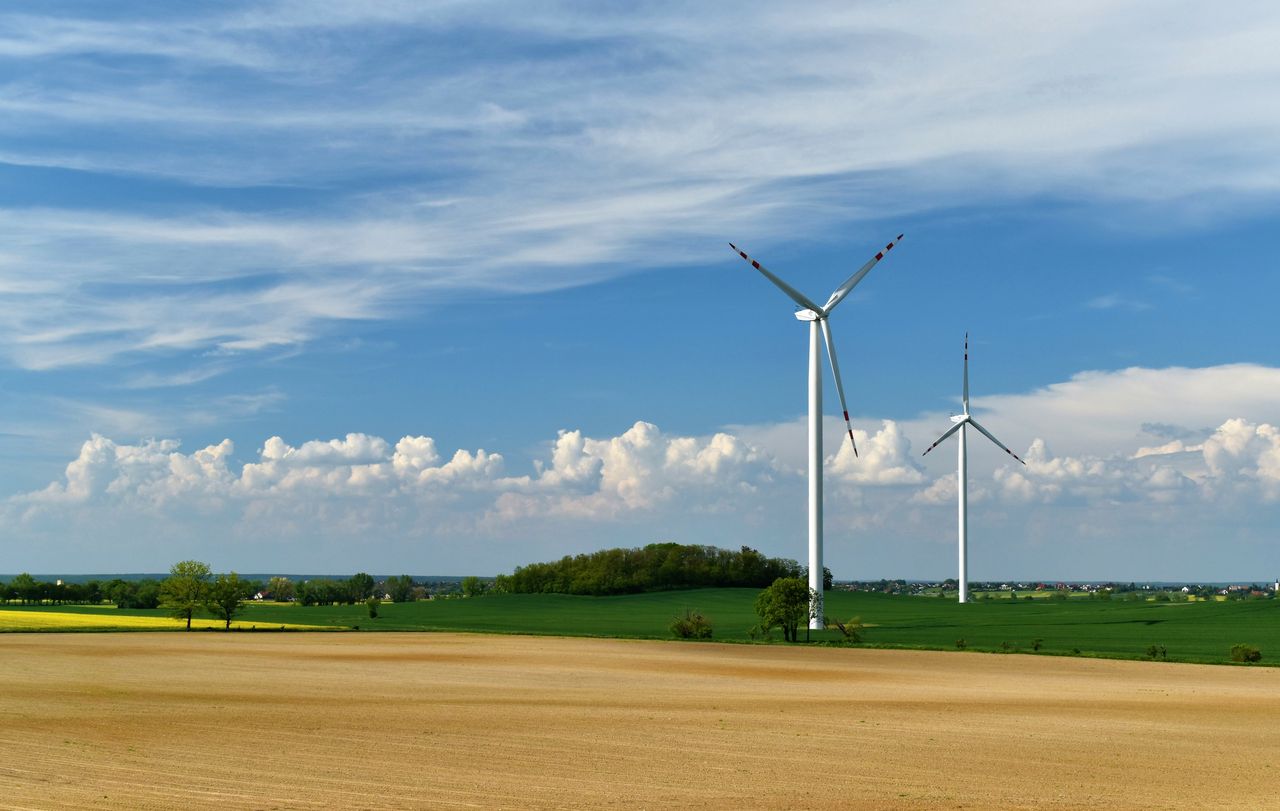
(656, 567)
(25, 589)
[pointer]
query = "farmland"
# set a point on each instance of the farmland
(1189, 632)
(395, 720)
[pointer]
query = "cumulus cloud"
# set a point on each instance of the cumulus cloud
(883, 458)
(740, 485)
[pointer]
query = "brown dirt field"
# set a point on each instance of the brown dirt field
(440, 720)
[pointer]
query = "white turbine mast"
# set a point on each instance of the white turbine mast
(819, 332)
(962, 473)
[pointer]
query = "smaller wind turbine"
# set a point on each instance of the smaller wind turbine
(962, 474)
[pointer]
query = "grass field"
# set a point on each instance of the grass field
(1189, 632)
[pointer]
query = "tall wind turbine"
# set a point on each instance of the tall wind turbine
(819, 330)
(962, 474)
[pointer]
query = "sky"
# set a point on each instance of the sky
(445, 288)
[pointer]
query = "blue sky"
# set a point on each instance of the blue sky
(333, 286)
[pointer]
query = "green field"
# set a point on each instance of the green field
(1189, 632)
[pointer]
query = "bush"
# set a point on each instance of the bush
(373, 603)
(691, 626)
(1037, 643)
(1245, 653)
(961, 644)
(851, 630)
(1157, 652)
(758, 632)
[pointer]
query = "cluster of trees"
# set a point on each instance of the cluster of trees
(26, 589)
(656, 567)
(151, 593)
(359, 588)
(191, 587)
(355, 589)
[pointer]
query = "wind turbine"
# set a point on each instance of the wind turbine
(962, 482)
(819, 330)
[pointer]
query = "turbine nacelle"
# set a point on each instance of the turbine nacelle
(959, 418)
(808, 315)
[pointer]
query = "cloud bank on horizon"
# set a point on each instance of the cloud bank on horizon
(330, 491)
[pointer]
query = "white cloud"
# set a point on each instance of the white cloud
(627, 131)
(736, 485)
(884, 458)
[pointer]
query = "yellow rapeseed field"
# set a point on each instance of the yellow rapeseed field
(11, 620)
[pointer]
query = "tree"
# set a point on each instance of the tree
(785, 604)
(400, 588)
(24, 587)
(472, 586)
(372, 604)
(226, 597)
(361, 586)
(185, 590)
(280, 589)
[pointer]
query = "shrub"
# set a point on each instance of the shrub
(691, 626)
(1245, 653)
(1157, 652)
(851, 630)
(1006, 646)
(961, 644)
(1037, 643)
(373, 603)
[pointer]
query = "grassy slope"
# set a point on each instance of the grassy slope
(1197, 632)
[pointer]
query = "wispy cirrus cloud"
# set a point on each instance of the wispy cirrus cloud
(494, 148)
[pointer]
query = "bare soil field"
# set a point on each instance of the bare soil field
(444, 720)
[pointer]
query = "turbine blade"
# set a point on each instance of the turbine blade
(999, 444)
(966, 373)
(794, 294)
(835, 371)
(943, 438)
(844, 289)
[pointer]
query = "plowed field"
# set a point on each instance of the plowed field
(394, 720)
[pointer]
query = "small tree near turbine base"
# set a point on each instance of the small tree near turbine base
(785, 604)
(372, 604)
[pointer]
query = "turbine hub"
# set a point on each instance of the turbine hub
(807, 315)
(959, 417)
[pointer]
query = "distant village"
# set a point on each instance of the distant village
(1042, 589)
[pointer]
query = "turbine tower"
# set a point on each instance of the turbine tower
(819, 331)
(962, 473)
